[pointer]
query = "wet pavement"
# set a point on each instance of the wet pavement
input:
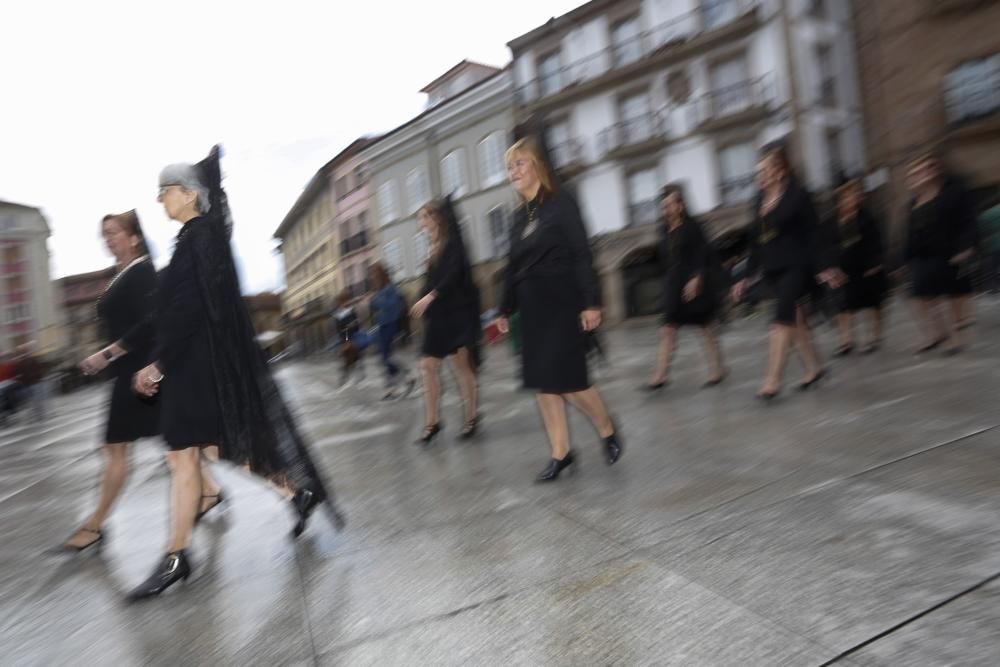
(855, 523)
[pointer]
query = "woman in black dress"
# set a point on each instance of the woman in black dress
(858, 251)
(689, 286)
(123, 310)
(449, 308)
(786, 250)
(551, 282)
(217, 389)
(940, 246)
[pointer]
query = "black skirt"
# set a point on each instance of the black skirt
(130, 416)
(863, 292)
(791, 288)
(677, 312)
(446, 331)
(553, 344)
(190, 403)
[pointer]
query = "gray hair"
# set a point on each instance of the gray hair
(186, 176)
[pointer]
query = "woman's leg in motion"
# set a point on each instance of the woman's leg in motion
(553, 409)
(710, 335)
(431, 369)
(845, 324)
(927, 319)
(780, 340)
(465, 374)
(185, 494)
(589, 402)
(209, 487)
(804, 344)
(664, 353)
(877, 324)
(112, 482)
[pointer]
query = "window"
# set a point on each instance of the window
(972, 90)
(736, 165)
(816, 8)
(387, 207)
(491, 166)
(392, 253)
(637, 121)
(827, 83)
(416, 189)
(625, 41)
(549, 74)
(718, 12)
(341, 187)
(833, 153)
(730, 88)
(420, 248)
(642, 188)
(499, 231)
(452, 181)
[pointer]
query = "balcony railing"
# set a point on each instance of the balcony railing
(710, 16)
(567, 153)
(737, 191)
(630, 132)
(643, 213)
(353, 243)
(735, 99)
(14, 268)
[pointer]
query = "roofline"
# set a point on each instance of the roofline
(423, 114)
(4, 202)
(455, 68)
(557, 23)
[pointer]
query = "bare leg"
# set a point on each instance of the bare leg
(553, 409)
(958, 306)
(804, 344)
(431, 369)
(589, 402)
(185, 495)
(780, 339)
(846, 325)
(209, 487)
(664, 352)
(927, 319)
(461, 362)
(710, 336)
(112, 482)
(877, 324)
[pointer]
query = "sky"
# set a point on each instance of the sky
(99, 96)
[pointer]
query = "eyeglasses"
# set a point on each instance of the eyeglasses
(165, 188)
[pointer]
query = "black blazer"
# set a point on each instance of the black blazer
(788, 235)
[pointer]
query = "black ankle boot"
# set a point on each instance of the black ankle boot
(173, 568)
(612, 448)
(304, 502)
(556, 466)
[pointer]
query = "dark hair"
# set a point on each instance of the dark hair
(129, 222)
(435, 209)
(779, 150)
(675, 188)
(380, 276)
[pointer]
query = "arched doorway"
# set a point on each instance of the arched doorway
(642, 281)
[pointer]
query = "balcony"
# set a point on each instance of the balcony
(632, 137)
(643, 213)
(567, 158)
(714, 22)
(738, 104)
(353, 243)
(737, 191)
(14, 268)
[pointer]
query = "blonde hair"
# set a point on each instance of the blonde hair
(528, 146)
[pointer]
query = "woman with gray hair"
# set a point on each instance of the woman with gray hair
(217, 389)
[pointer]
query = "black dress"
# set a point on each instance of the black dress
(857, 248)
(451, 322)
(550, 280)
(124, 309)
(190, 403)
(785, 245)
(685, 253)
(938, 230)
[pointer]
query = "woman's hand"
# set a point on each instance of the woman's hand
(738, 290)
(590, 319)
(502, 324)
(834, 278)
(421, 306)
(147, 381)
(692, 289)
(94, 364)
(962, 257)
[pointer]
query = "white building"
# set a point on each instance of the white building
(638, 93)
(29, 306)
(456, 147)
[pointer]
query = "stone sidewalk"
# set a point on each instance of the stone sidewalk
(853, 525)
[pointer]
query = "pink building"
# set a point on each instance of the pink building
(353, 225)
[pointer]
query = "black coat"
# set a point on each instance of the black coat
(452, 320)
(787, 237)
(550, 280)
(685, 254)
(124, 309)
(855, 246)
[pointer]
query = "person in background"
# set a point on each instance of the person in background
(386, 306)
(350, 342)
(30, 371)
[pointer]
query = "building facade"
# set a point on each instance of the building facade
(930, 74)
(638, 93)
(353, 222)
(79, 294)
(454, 147)
(30, 311)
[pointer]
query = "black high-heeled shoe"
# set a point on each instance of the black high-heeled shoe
(304, 502)
(174, 567)
(809, 384)
(470, 428)
(94, 544)
(219, 499)
(428, 435)
(613, 448)
(556, 466)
